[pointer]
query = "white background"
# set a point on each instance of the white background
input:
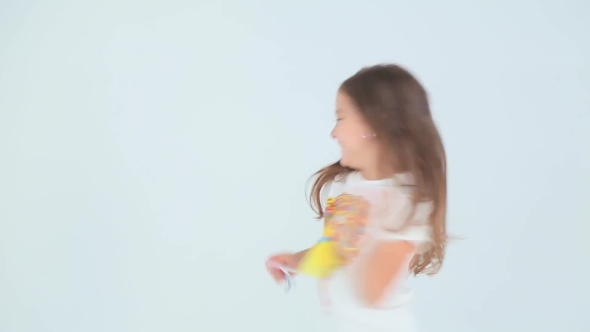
(153, 153)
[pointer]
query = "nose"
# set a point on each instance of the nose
(333, 133)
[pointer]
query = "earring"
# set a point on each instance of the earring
(370, 135)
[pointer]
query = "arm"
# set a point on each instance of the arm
(399, 228)
(299, 255)
(285, 259)
(383, 265)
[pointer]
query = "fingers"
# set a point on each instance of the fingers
(275, 273)
(286, 261)
(275, 265)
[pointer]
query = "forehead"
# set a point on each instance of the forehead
(343, 103)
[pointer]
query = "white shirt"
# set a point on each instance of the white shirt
(391, 216)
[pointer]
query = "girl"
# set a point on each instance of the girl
(384, 201)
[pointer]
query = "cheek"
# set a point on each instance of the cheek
(350, 137)
(344, 134)
(353, 142)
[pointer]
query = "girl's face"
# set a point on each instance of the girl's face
(356, 138)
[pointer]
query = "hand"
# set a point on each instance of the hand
(287, 260)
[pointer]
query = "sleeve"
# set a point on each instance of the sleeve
(393, 216)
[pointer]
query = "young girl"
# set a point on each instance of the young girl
(384, 202)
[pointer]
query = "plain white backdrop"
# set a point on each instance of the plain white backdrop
(153, 153)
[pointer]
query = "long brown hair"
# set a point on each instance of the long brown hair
(396, 106)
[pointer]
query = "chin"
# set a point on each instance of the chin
(345, 163)
(342, 161)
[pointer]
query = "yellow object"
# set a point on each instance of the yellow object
(321, 259)
(345, 218)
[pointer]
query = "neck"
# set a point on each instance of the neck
(377, 173)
